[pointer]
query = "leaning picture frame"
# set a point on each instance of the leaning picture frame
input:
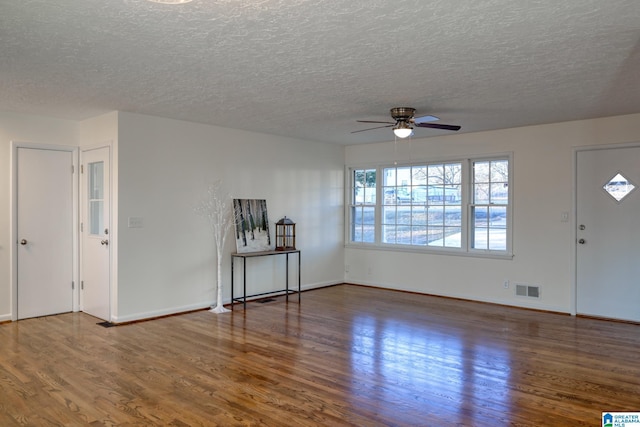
(251, 225)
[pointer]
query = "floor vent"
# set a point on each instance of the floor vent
(528, 291)
(106, 324)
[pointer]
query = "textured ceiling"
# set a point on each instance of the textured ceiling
(310, 68)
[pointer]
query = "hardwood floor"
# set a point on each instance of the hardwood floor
(347, 355)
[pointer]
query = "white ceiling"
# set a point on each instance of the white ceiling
(310, 68)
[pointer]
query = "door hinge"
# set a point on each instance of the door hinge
(82, 285)
(81, 168)
(81, 227)
(73, 285)
(73, 169)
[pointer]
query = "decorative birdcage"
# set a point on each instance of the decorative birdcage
(285, 235)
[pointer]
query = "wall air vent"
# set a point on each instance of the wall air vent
(529, 291)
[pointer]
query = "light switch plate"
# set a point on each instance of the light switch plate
(135, 222)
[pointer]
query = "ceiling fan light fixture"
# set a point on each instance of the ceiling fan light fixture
(402, 130)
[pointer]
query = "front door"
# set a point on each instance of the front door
(608, 233)
(44, 218)
(95, 231)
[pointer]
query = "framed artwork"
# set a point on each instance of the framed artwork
(252, 225)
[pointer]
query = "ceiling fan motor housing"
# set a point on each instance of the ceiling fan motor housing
(402, 113)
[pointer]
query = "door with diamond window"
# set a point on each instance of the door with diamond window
(608, 233)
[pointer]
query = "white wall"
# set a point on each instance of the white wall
(165, 166)
(164, 169)
(21, 128)
(542, 185)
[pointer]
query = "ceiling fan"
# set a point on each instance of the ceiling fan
(405, 120)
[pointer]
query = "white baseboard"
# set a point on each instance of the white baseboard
(183, 309)
(534, 305)
(159, 313)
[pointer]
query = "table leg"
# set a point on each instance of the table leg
(244, 286)
(287, 279)
(231, 282)
(299, 277)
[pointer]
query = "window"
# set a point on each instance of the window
(422, 205)
(489, 205)
(459, 206)
(363, 203)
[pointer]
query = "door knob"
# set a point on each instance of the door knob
(104, 242)
(582, 241)
(23, 241)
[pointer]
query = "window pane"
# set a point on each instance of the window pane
(498, 216)
(96, 198)
(419, 194)
(435, 236)
(436, 215)
(435, 174)
(419, 174)
(419, 215)
(419, 235)
(481, 193)
(403, 215)
(499, 193)
(364, 186)
(480, 215)
(403, 235)
(368, 234)
(481, 172)
(480, 238)
(370, 195)
(389, 215)
(403, 176)
(499, 171)
(389, 233)
(389, 195)
(96, 220)
(453, 237)
(452, 216)
(96, 181)
(497, 239)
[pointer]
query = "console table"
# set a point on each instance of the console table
(244, 257)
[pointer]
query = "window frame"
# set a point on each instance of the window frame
(466, 208)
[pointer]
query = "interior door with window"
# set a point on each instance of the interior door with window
(96, 252)
(608, 233)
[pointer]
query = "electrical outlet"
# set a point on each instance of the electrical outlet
(505, 284)
(346, 268)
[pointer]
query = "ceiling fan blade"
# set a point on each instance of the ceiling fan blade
(377, 127)
(425, 119)
(373, 121)
(437, 126)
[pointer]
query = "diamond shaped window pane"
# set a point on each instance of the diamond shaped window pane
(619, 187)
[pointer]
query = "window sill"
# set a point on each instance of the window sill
(430, 251)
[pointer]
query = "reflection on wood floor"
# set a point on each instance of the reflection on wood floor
(348, 355)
